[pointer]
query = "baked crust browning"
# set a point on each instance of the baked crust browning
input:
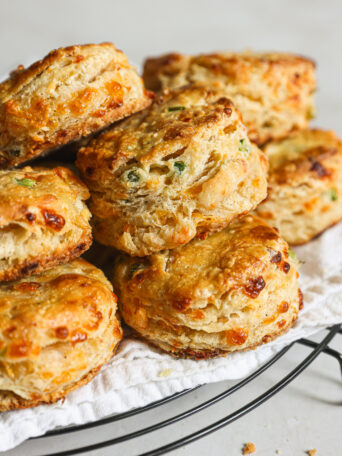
(38, 264)
(304, 185)
(46, 354)
(44, 220)
(234, 290)
(198, 355)
(273, 91)
(180, 168)
(72, 92)
(12, 401)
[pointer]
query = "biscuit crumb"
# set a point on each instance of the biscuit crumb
(312, 452)
(165, 373)
(249, 448)
(278, 451)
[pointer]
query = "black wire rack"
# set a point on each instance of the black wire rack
(316, 348)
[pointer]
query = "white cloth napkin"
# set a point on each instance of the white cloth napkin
(139, 374)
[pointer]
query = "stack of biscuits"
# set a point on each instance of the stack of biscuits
(58, 313)
(178, 184)
(274, 93)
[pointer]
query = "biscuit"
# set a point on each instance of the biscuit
(234, 290)
(273, 91)
(44, 220)
(48, 353)
(71, 93)
(305, 184)
(180, 168)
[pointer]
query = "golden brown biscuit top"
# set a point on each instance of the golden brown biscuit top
(68, 94)
(158, 135)
(236, 258)
(78, 58)
(302, 154)
(44, 190)
(69, 303)
(232, 65)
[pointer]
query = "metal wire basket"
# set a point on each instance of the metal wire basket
(315, 349)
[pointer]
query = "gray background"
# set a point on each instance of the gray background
(308, 413)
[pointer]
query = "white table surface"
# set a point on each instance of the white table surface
(308, 413)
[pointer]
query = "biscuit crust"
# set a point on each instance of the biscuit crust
(46, 354)
(11, 401)
(179, 169)
(234, 290)
(273, 91)
(44, 220)
(304, 185)
(198, 355)
(72, 92)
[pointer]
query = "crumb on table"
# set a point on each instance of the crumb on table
(312, 452)
(249, 448)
